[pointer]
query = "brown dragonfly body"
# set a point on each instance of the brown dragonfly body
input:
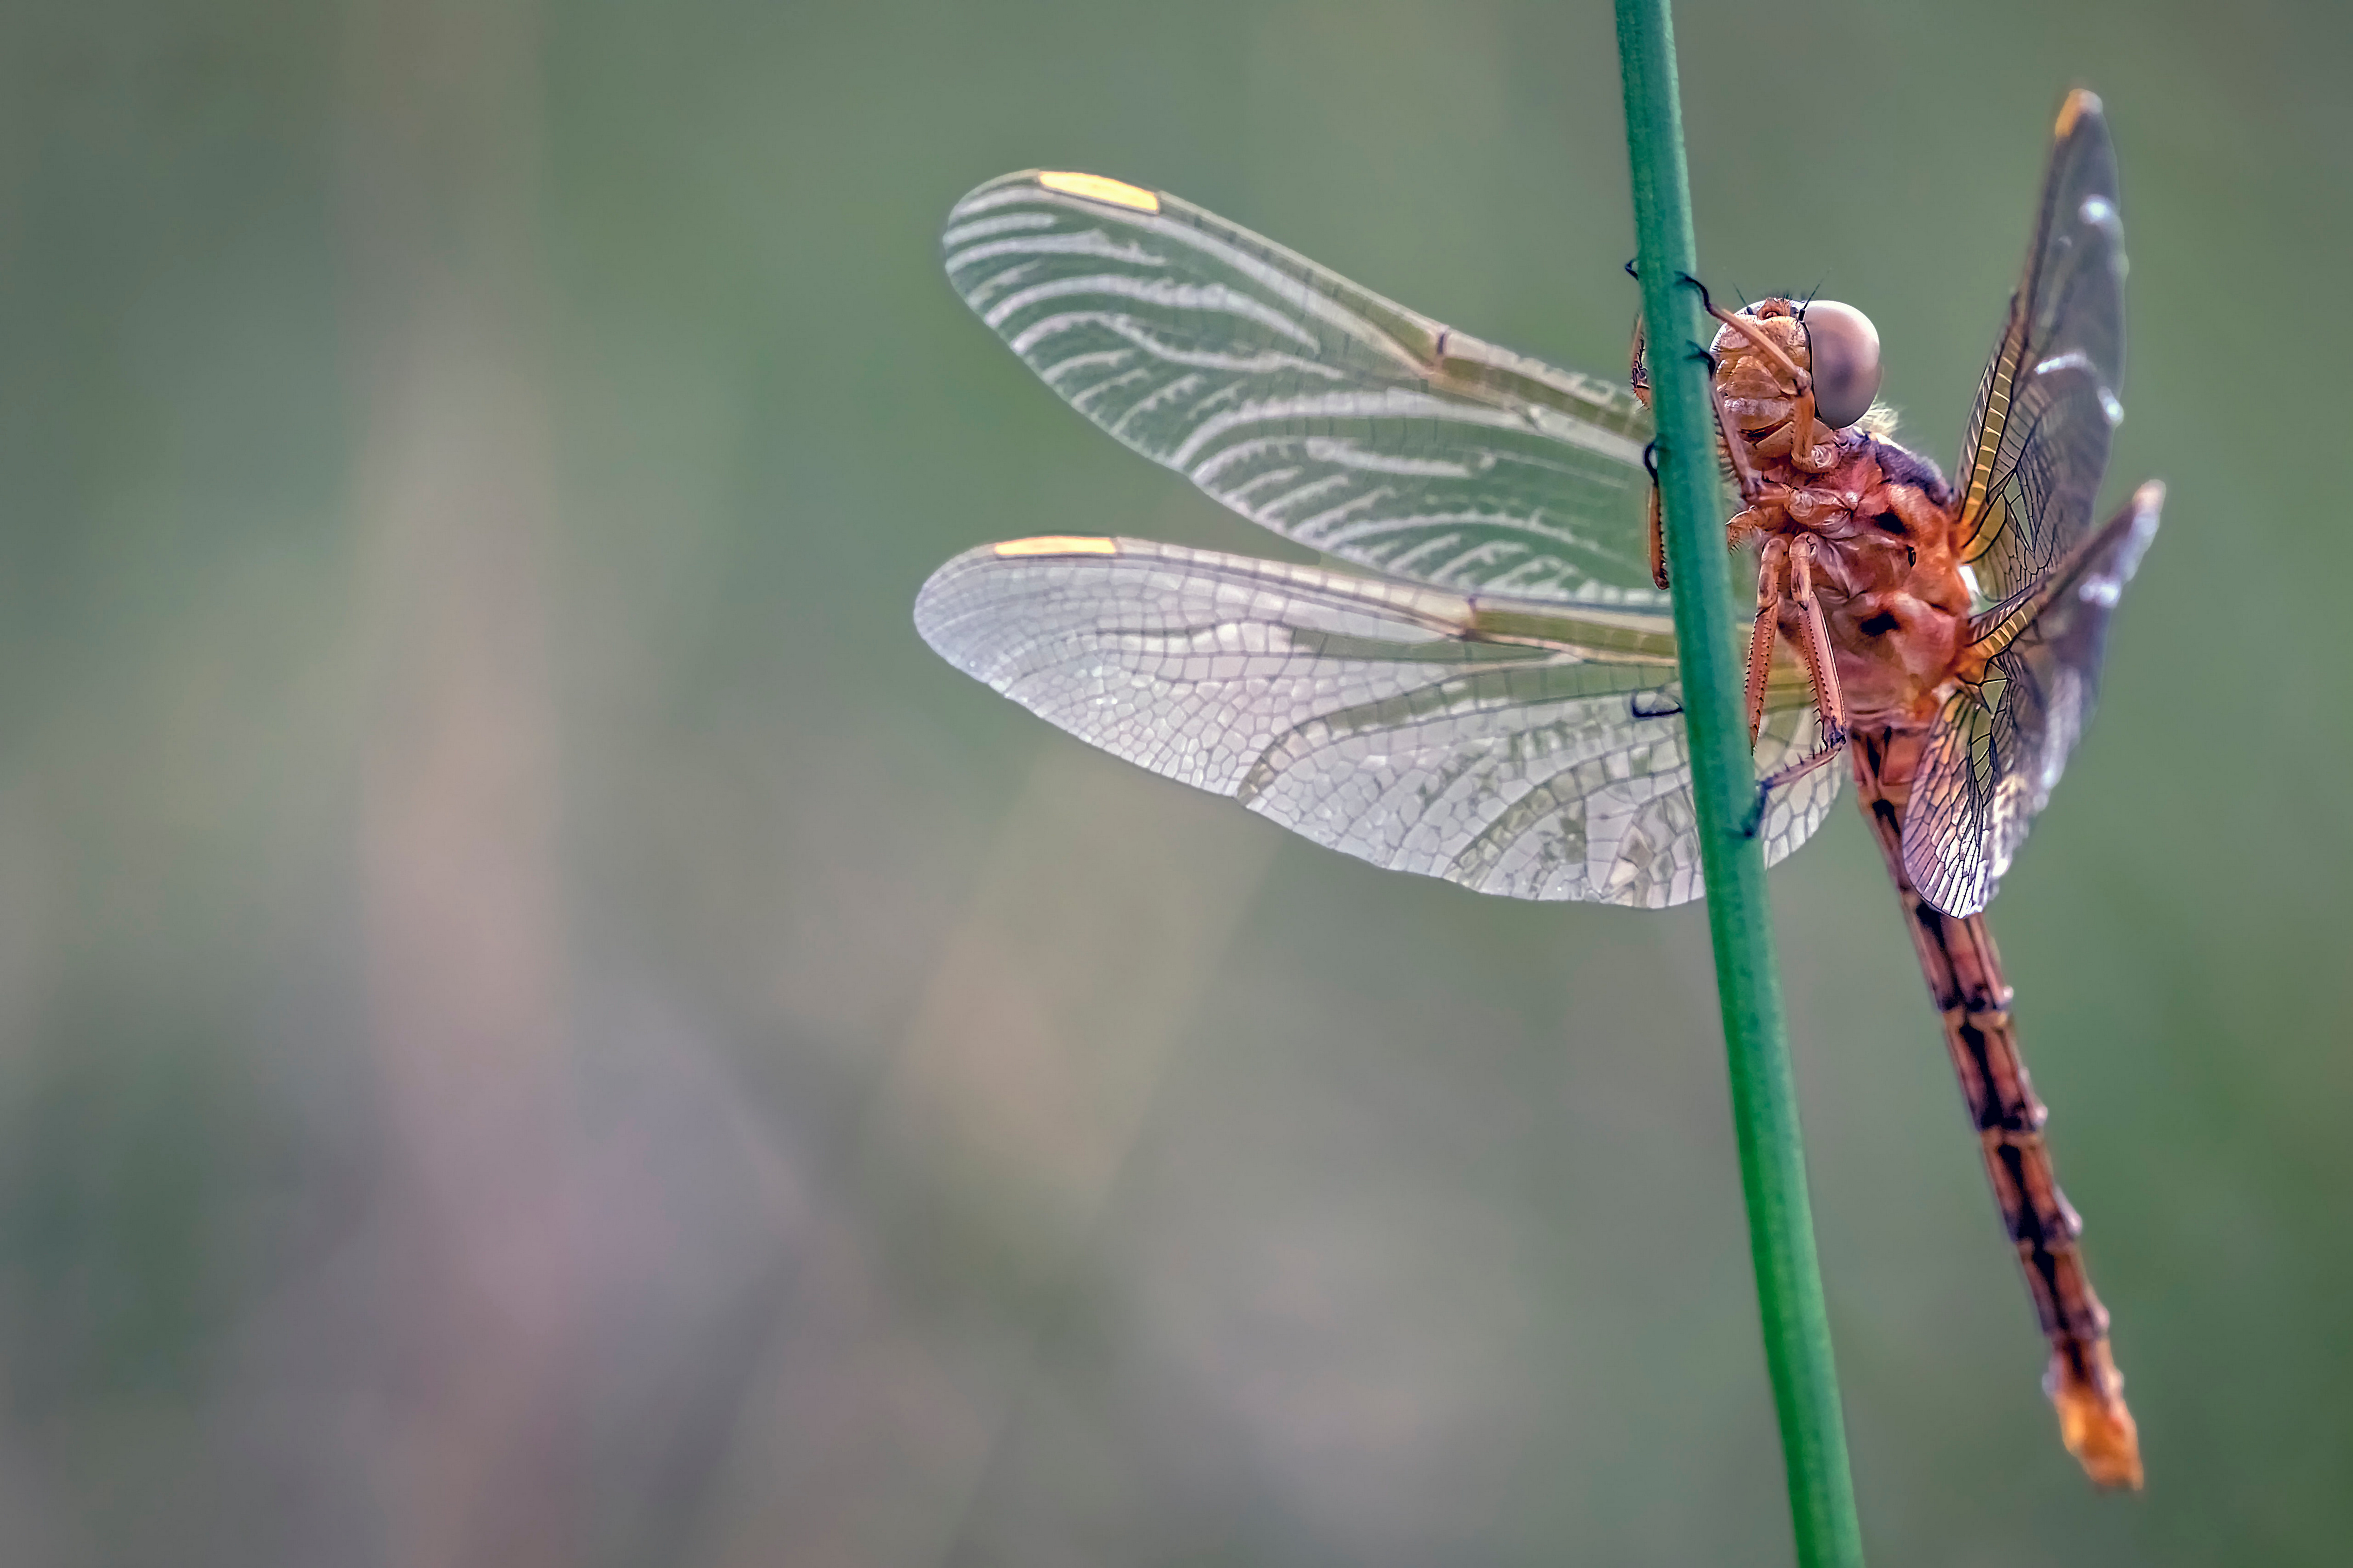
(1861, 546)
(1484, 688)
(1862, 559)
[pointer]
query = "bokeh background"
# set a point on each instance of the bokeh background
(540, 1025)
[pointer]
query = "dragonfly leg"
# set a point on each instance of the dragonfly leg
(1814, 644)
(1734, 440)
(1786, 774)
(1658, 522)
(1638, 368)
(1736, 443)
(1805, 428)
(1769, 566)
(1756, 334)
(1821, 670)
(1782, 778)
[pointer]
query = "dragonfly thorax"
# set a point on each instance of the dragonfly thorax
(1884, 569)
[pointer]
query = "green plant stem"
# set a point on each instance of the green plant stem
(1710, 634)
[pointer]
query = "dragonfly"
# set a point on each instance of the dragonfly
(1476, 680)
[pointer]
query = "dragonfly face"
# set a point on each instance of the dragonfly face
(1484, 689)
(1759, 353)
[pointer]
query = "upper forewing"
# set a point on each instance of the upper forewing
(2038, 438)
(1995, 753)
(1376, 717)
(1310, 405)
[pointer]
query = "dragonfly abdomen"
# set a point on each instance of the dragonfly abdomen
(1963, 969)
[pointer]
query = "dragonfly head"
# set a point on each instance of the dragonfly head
(1835, 345)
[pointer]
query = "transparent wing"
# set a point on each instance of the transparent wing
(1306, 404)
(2038, 438)
(1381, 719)
(1995, 753)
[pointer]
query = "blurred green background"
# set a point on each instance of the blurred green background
(538, 1025)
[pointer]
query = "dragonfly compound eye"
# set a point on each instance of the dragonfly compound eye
(1844, 346)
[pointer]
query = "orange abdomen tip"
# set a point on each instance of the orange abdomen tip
(2093, 1420)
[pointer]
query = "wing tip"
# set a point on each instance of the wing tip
(989, 193)
(942, 599)
(2079, 102)
(940, 587)
(2147, 506)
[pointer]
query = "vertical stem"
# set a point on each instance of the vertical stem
(1764, 1093)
